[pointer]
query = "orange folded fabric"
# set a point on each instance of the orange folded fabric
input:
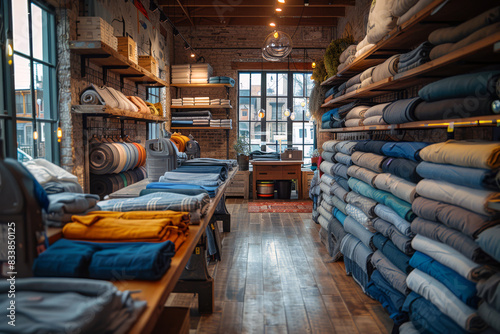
(134, 226)
(143, 108)
(180, 141)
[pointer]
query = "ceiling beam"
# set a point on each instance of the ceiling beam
(185, 12)
(270, 65)
(260, 21)
(260, 3)
(294, 12)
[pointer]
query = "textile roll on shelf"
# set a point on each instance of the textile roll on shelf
(116, 157)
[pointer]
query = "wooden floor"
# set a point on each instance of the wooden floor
(274, 278)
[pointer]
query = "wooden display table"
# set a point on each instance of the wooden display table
(276, 170)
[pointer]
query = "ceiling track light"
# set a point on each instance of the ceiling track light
(278, 9)
(281, 1)
(272, 24)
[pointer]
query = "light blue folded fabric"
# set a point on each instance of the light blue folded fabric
(489, 241)
(359, 231)
(463, 176)
(392, 217)
(355, 250)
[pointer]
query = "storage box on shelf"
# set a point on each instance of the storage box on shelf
(149, 63)
(91, 28)
(128, 48)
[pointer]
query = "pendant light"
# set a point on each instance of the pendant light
(292, 116)
(262, 113)
(287, 112)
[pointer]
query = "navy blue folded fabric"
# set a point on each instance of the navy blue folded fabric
(401, 111)
(391, 299)
(371, 146)
(416, 57)
(458, 285)
(325, 125)
(403, 168)
(108, 261)
(407, 150)
(387, 247)
(331, 115)
(427, 318)
(330, 92)
(480, 84)
(461, 107)
(358, 274)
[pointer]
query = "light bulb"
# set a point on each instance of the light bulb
(287, 112)
(193, 55)
(10, 50)
(292, 116)
(279, 9)
(262, 113)
(276, 34)
(303, 104)
(35, 135)
(313, 64)
(272, 24)
(281, 1)
(312, 77)
(59, 133)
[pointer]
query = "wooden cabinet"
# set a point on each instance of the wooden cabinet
(307, 176)
(239, 185)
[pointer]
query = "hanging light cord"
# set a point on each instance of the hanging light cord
(298, 24)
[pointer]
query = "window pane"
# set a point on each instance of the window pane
(45, 140)
(22, 86)
(243, 130)
(298, 133)
(307, 113)
(244, 84)
(20, 25)
(309, 84)
(282, 84)
(244, 109)
(42, 26)
(276, 134)
(256, 84)
(271, 83)
(24, 140)
(255, 135)
(309, 129)
(43, 86)
(255, 107)
(298, 84)
(275, 109)
(299, 106)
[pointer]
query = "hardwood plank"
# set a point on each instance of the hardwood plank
(317, 314)
(253, 316)
(340, 315)
(296, 319)
(232, 315)
(275, 330)
(210, 324)
(274, 312)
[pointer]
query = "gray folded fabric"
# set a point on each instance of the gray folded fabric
(60, 219)
(392, 274)
(353, 122)
(489, 290)
(325, 189)
(421, 4)
(330, 145)
(386, 69)
(351, 225)
(458, 33)
(338, 191)
(348, 61)
(325, 214)
(408, 66)
(367, 205)
(339, 204)
(401, 111)
(346, 147)
(328, 156)
(363, 174)
(368, 160)
(326, 206)
(354, 249)
(366, 82)
(340, 170)
(348, 52)
(489, 242)
(380, 20)
(353, 81)
(352, 88)
(388, 230)
(397, 186)
(336, 234)
(490, 315)
(399, 7)
(327, 179)
(452, 238)
(447, 48)
(56, 187)
(366, 74)
(392, 217)
(357, 112)
(465, 221)
(64, 205)
(343, 159)
(461, 107)
(374, 120)
(376, 110)
(327, 167)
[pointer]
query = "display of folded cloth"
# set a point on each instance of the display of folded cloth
(380, 21)
(348, 52)
(224, 80)
(198, 113)
(392, 253)
(362, 174)
(488, 240)
(368, 160)
(175, 187)
(407, 150)
(437, 293)
(353, 122)
(45, 171)
(221, 170)
(64, 205)
(211, 162)
(462, 107)
(94, 95)
(374, 120)
(478, 85)
(489, 290)
(415, 58)
(356, 224)
(215, 102)
(401, 111)
(209, 180)
(392, 217)
(65, 305)
(370, 146)
(109, 261)
(490, 314)
(224, 102)
(376, 110)
(134, 226)
(358, 259)
(416, 8)
(394, 276)
(403, 168)
(355, 80)
(397, 186)
(444, 49)
(388, 230)
(56, 187)
(387, 69)
(176, 123)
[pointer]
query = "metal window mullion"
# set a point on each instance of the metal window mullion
(32, 79)
(263, 121)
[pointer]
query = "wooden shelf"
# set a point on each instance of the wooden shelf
(98, 110)
(493, 120)
(476, 55)
(438, 14)
(201, 107)
(200, 128)
(103, 55)
(207, 85)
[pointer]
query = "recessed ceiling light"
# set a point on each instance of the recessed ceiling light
(279, 9)
(281, 1)
(272, 24)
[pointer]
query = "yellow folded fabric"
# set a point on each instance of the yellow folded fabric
(152, 109)
(159, 107)
(134, 226)
(477, 154)
(180, 141)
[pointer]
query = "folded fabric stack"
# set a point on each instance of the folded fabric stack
(346, 57)
(64, 205)
(215, 123)
(264, 156)
(181, 74)
(188, 101)
(356, 116)
(177, 102)
(380, 20)
(193, 118)
(52, 178)
(70, 305)
(109, 261)
(130, 224)
(200, 73)
(225, 103)
(105, 184)
(406, 9)
(215, 102)
(211, 162)
(222, 80)
(314, 193)
(455, 238)
(204, 101)
(374, 115)
(447, 40)
(363, 47)
(226, 123)
(418, 56)
(112, 98)
(330, 94)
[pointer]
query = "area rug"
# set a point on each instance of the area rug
(287, 207)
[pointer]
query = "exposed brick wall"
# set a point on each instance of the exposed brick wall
(220, 46)
(355, 20)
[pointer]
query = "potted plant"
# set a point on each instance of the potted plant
(314, 157)
(242, 150)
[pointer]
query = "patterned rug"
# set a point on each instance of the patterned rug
(275, 206)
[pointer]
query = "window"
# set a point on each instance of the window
(153, 96)
(275, 92)
(35, 83)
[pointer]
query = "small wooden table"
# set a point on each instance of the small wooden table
(276, 170)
